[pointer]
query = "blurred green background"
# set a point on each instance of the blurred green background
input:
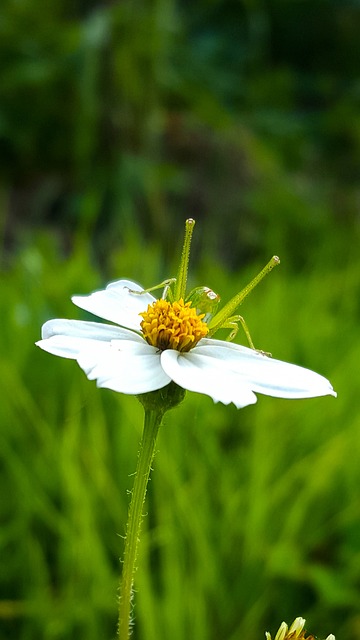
(118, 120)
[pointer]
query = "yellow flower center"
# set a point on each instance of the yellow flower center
(172, 326)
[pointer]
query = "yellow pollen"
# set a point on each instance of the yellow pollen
(173, 326)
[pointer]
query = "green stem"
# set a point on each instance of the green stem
(152, 423)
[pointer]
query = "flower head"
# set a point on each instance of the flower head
(296, 632)
(153, 342)
(172, 326)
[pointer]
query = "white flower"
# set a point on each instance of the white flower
(142, 353)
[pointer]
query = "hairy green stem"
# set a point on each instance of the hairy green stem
(152, 423)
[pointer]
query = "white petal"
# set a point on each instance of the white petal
(297, 626)
(84, 329)
(67, 338)
(124, 366)
(263, 374)
(117, 304)
(65, 346)
(194, 372)
(283, 629)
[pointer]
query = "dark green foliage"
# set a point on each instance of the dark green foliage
(123, 117)
(117, 121)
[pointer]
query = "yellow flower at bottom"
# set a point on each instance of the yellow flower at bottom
(296, 632)
(172, 326)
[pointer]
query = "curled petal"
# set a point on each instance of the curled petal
(117, 358)
(117, 304)
(194, 372)
(263, 374)
(123, 366)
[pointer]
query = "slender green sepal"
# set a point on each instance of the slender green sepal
(220, 319)
(181, 280)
